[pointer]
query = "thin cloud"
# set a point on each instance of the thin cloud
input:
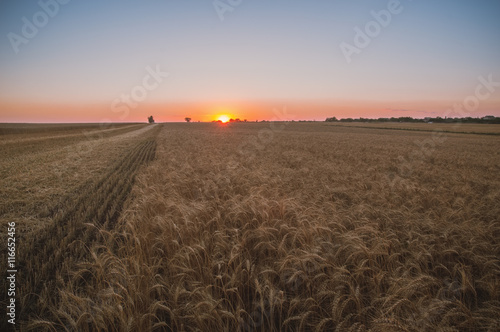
(403, 110)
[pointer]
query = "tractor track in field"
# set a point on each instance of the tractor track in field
(77, 219)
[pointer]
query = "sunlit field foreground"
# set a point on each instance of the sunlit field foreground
(265, 227)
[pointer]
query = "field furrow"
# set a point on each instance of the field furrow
(48, 255)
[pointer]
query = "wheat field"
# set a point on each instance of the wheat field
(256, 227)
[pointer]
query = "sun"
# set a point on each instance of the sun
(223, 118)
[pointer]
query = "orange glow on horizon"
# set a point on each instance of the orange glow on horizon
(33, 111)
(223, 118)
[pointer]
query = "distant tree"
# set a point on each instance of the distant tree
(332, 119)
(187, 119)
(347, 120)
(150, 119)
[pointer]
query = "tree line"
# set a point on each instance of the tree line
(487, 119)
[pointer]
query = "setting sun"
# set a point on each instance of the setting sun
(223, 118)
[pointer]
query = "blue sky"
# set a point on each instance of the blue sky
(428, 56)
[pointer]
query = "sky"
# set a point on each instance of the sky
(123, 60)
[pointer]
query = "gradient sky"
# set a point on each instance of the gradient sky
(264, 55)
